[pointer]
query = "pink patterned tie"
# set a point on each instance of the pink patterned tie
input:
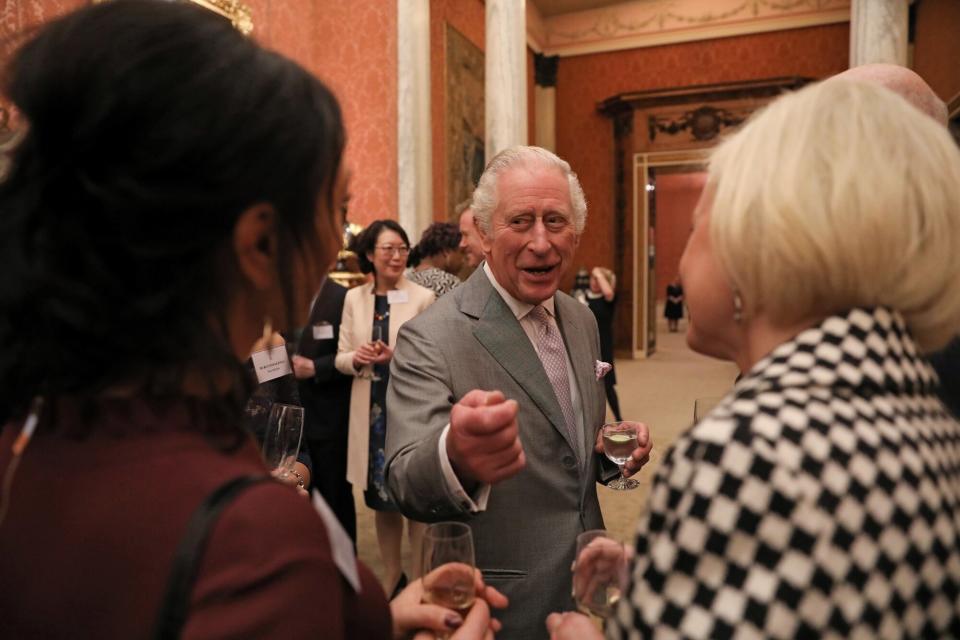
(553, 355)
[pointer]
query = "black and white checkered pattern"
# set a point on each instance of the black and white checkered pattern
(818, 500)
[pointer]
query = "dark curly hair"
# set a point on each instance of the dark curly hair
(438, 238)
(151, 126)
(367, 240)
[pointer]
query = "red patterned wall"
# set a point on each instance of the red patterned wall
(18, 19)
(467, 17)
(352, 46)
(585, 139)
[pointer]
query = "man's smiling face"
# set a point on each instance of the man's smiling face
(531, 240)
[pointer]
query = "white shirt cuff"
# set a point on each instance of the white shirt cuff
(453, 482)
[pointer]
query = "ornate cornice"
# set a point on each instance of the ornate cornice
(643, 23)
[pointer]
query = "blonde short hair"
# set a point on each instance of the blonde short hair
(485, 195)
(841, 195)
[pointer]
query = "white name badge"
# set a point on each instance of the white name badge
(271, 363)
(340, 545)
(323, 331)
(397, 296)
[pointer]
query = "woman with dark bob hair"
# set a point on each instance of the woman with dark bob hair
(174, 186)
(372, 316)
(437, 258)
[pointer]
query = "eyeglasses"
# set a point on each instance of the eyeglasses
(390, 250)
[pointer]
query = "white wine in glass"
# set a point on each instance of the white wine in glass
(281, 442)
(447, 566)
(619, 441)
(599, 573)
(376, 336)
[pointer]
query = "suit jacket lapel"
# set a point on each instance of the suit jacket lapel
(500, 333)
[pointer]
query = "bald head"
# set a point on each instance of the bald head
(904, 83)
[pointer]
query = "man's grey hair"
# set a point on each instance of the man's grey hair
(485, 195)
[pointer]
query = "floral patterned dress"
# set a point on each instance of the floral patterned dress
(376, 496)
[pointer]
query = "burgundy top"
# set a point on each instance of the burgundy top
(95, 516)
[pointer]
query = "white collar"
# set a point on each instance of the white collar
(520, 309)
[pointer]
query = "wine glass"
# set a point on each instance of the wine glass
(447, 567)
(281, 442)
(599, 573)
(619, 441)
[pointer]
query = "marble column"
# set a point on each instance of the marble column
(878, 32)
(545, 101)
(505, 84)
(414, 150)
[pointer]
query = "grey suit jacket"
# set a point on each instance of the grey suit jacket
(525, 539)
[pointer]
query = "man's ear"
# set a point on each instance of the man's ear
(486, 241)
(255, 244)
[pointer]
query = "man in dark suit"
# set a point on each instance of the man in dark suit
(325, 395)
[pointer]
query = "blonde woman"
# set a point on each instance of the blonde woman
(821, 497)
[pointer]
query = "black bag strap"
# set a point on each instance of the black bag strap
(186, 562)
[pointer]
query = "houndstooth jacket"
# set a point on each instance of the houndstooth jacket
(818, 500)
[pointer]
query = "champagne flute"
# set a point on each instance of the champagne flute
(447, 567)
(619, 441)
(376, 337)
(599, 573)
(281, 442)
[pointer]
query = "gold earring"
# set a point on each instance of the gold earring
(737, 307)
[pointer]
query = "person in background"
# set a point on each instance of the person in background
(581, 284)
(469, 239)
(437, 258)
(147, 233)
(673, 308)
(821, 497)
(325, 395)
(601, 297)
(256, 413)
(383, 306)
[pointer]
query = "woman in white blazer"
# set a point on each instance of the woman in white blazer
(382, 305)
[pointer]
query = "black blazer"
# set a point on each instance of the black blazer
(326, 396)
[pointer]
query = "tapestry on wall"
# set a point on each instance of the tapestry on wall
(463, 116)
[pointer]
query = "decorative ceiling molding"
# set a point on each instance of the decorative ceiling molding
(645, 23)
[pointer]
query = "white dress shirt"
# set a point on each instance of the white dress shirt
(521, 310)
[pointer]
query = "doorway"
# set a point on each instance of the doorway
(666, 188)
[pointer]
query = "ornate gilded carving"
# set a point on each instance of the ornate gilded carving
(704, 123)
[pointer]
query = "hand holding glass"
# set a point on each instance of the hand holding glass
(447, 566)
(619, 441)
(376, 337)
(599, 573)
(281, 443)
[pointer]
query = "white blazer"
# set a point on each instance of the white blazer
(355, 327)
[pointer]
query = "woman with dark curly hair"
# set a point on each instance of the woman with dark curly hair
(175, 185)
(372, 316)
(437, 258)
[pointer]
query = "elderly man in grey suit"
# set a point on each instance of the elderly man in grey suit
(496, 399)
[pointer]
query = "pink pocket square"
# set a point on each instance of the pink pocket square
(602, 368)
